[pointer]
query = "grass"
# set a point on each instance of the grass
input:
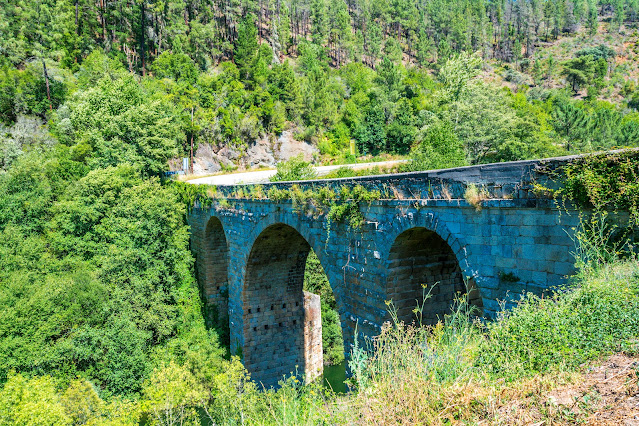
(467, 372)
(462, 371)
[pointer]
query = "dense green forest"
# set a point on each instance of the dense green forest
(98, 300)
(468, 81)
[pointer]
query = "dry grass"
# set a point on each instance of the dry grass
(461, 372)
(445, 191)
(475, 400)
(475, 195)
(606, 394)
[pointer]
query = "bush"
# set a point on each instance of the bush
(33, 402)
(294, 169)
(567, 329)
(437, 148)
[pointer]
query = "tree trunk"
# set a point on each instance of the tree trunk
(142, 37)
(46, 79)
(103, 19)
(191, 140)
(259, 21)
(76, 16)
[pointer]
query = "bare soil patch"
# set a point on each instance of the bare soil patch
(606, 394)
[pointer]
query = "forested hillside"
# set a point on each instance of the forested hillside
(389, 76)
(98, 300)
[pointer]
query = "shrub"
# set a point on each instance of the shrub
(294, 169)
(572, 326)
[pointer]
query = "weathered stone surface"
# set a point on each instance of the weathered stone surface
(313, 353)
(260, 154)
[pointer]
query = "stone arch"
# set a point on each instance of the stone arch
(316, 241)
(421, 261)
(282, 323)
(214, 282)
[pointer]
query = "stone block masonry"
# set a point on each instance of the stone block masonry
(421, 238)
(313, 353)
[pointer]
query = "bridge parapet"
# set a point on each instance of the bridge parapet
(510, 180)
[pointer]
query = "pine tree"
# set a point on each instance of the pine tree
(246, 47)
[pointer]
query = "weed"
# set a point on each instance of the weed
(445, 191)
(594, 246)
(190, 194)
(602, 182)
(294, 169)
(223, 203)
(257, 192)
(276, 194)
(474, 196)
(508, 277)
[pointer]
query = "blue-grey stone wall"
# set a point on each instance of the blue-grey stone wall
(529, 240)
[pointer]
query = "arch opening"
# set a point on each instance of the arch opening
(213, 273)
(420, 262)
(316, 282)
(282, 322)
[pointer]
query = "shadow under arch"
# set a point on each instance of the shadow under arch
(282, 323)
(421, 262)
(214, 278)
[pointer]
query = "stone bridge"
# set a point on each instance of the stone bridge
(478, 230)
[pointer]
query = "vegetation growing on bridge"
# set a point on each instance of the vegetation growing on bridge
(606, 182)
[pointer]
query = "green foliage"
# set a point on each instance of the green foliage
(438, 147)
(347, 206)
(25, 135)
(401, 133)
(579, 71)
(111, 124)
(189, 194)
(603, 182)
(172, 395)
(32, 402)
(483, 120)
(81, 402)
(457, 72)
(98, 66)
(340, 205)
(112, 280)
(598, 52)
(294, 169)
(595, 125)
(177, 66)
(371, 134)
(25, 92)
(40, 401)
(225, 86)
(549, 335)
(97, 294)
(246, 48)
(566, 329)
